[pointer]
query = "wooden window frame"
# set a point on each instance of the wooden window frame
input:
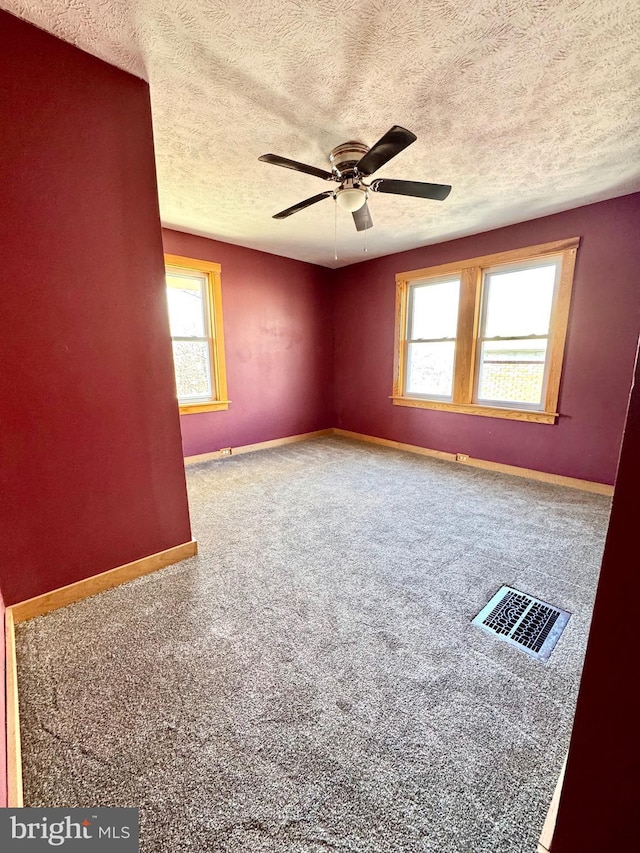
(215, 332)
(471, 275)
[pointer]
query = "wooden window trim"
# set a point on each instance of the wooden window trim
(470, 272)
(216, 333)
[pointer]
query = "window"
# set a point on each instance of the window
(485, 336)
(194, 299)
(431, 339)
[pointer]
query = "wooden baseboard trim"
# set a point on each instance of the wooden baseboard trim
(396, 445)
(14, 756)
(41, 604)
(542, 476)
(529, 473)
(514, 470)
(261, 445)
(546, 837)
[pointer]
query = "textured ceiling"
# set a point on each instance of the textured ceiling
(526, 107)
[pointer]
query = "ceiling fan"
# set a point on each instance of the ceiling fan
(351, 163)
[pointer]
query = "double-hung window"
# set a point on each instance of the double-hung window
(513, 339)
(485, 336)
(194, 300)
(431, 340)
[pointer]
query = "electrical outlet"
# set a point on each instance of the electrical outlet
(225, 451)
(462, 457)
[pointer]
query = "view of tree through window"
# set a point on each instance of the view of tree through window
(187, 301)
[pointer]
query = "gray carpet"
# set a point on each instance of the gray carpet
(311, 681)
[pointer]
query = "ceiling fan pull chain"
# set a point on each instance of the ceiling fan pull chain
(335, 229)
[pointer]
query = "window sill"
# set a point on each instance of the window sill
(209, 406)
(483, 411)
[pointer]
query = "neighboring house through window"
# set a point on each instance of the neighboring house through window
(194, 299)
(485, 336)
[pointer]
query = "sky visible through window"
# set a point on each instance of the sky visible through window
(184, 298)
(519, 302)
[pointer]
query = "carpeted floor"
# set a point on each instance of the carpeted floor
(312, 681)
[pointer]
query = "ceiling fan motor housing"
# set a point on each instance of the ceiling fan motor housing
(344, 157)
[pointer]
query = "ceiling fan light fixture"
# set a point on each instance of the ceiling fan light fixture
(351, 199)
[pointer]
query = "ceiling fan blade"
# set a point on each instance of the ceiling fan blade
(393, 142)
(362, 218)
(437, 192)
(302, 204)
(297, 167)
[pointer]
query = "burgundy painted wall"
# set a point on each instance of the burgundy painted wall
(601, 796)
(603, 333)
(3, 712)
(278, 345)
(91, 473)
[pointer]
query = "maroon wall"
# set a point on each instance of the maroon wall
(603, 331)
(601, 797)
(3, 712)
(91, 474)
(278, 343)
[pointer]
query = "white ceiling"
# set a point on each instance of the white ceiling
(526, 107)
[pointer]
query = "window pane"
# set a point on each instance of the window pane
(430, 369)
(193, 375)
(519, 302)
(186, 304)
(512, 371)
(435, 310)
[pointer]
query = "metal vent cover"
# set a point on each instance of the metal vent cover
(523, 621)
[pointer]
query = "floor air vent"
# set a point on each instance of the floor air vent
(524, 621)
